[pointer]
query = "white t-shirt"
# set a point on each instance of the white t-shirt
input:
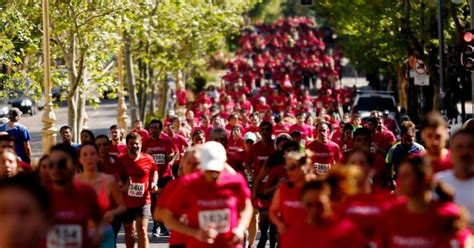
(464, 190)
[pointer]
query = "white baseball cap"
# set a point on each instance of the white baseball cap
(250, 136)
(212, 156)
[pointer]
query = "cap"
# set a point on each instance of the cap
(250, 136)
(212, 156)
(15, 112)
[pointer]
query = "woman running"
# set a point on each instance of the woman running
(420, 219)
(108, 191)
(321, 227)
(286, 208)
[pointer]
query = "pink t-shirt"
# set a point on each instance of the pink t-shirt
(305, 130)
(403, 228)
(337, 233)
(325, 155)
(211, 205)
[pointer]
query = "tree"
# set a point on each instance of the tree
(82, 32)
(385, 33)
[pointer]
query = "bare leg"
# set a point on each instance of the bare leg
(142, 231)
(129, 234)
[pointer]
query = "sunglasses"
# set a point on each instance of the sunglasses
(61, 164)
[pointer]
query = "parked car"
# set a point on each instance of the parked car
(4, 108)
(26, 104)
(367, 101)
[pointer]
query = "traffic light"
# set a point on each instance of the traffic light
(306, 2)
(467, 54)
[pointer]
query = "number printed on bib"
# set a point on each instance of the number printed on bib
(136, 189)
(321, 168)
(65, 236)
(159, 158)
(218, 219)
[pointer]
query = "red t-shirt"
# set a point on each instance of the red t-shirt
(383, 139)
(259, 154)
(366, 212)
(161, 149)
(115, 168)
(338, 233)
(117, 150)
(325, 155)
(443, 163)
(143, 133)
(279, 129)
(291, 209)
(210, 205)
(252, 129)
(72, 209)
(403, 228)
(140, 173)
(181, 97)
(181, 144)
(176, 238)
(305, 130)
(235, 154)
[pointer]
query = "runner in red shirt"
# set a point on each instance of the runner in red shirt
(346, 142)
(279, 126)
(143, 177)
(366, 207)
(435, 134)
(382, 138)
(164, 153)
(116, 147)
(325, 152)
(138, 128)
(286, 208)
(74, 205)
(321, 227)
(108, 191)
(233, 121)
(181, 144)
(197, 137)
(113, 166)
(254, 123)
(300, 126)
(216, 203)
(189, 165)
(420, 220)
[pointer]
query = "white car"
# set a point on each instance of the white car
(367, 101)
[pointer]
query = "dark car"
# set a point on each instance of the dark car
(26, 104)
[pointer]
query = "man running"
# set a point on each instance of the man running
(143, 176)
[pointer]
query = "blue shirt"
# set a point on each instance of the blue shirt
(21, 135)
(398, 153)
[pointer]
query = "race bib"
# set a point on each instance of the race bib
(65, 236)
(218, 219)
(159, 158)
(321, 168)
(136, 189)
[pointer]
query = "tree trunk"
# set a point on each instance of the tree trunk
(132, 94)
(151, 76)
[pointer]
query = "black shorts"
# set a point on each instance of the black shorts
(163, 181)
(139, 212)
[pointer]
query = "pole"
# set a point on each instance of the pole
(48, 118)
(122, 118)
(472, 73)
(441, 55)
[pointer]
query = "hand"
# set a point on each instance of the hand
(207, 236)
(238, 236)
(153, 188)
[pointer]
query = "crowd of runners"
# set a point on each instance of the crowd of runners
(270, 161)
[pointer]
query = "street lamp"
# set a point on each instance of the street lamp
(122, 118)
(48, 118)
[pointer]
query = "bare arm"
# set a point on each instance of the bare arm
(274, 211)
(27, 146)
(117, 197)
